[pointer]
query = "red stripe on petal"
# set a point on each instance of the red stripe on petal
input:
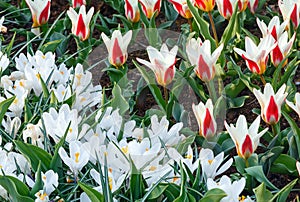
(129, 10)
(78, 3)
(247, 147)
(208, 124)
(272, 113)
(203, 71)
(294, 16)
(276, 56)
(44, 16)
(117, 54)
(253, 66)
(227, 8)
(169, 75)
(157, 6)
(274, 33)
(81, 29)
(178, 8)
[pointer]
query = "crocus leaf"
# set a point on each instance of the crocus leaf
(34, 155)
(17, 189)
(284, 192)
(93, 194)
(38, 184)
(213, 195)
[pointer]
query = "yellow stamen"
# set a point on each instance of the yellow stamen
(210, 161)
(110, 183)
(189, 156)
(43, 196)
(125, 149)
(77, 157)
(152, 168)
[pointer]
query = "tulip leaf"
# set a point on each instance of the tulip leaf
(202, 24)
(262, 194)
(172, 191)
(34, 155)
(157, 192)
(50, 46)
(93, 194)
(236, 102)
(289, 71)
(18, 191)
(118, 101)
(4, 105)
(234, 88)
(213, 195)
(183, 145)
(38, 184)
(229, 31)
(295, 129)
(258, 173)
(284, 164)
(137, 187)
(283, 194)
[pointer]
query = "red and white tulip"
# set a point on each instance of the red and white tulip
(282, 49)
(226, 7)
(253, 4)
(78, 3)
(256, 57)
(290, 10)
(182, 8)
(205, 5)
(242, 4)
(274, 27)
(150, 7)
(270, 103)
(132, 11)
(162, 63)
(245, 139)
(117, 47)
(296, 106)
(81, 21)
(40, 11)
(200, 56)
(205, 118)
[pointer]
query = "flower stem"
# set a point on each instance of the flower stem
(212, 91)
(263, 79)
(191, 24)
(213, 28)
(246, 163)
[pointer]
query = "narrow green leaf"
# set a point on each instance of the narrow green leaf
(94, 195)
(38, 185)
(230, 30)
(4, 105)
(283, 194)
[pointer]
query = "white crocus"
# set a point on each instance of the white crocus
(50, 180)
(41, 196)
(78, 158)
(211, 165)
(4, 61)
(232, 189)
(3, 29)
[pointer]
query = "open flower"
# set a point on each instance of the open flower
(226, 7)
(150, 7)
(282, 49)
(256, 57)
(50, 180)
(242, 4)
(182, 8)
(270, 103)
(199, 54)
(245, 140)
(3, 29)
(132, 11)
(117, 47)
(205, 5)
(40, 11)
(79, 157)
(290, 10)
(253, 4)
(205, 118)
(211, 165)
(81, 21)
(296, 106)
(274, 27)
(233, 190)
(78, 3)
(162, 63)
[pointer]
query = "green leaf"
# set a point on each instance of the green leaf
(50, 46)
(38, 185)
(137, 187)
(202, 24)
(4, 105)
(236, 102)
(17, 189)
(44, 87)
(214, 195)
(157, 192)
(10, 45)
(118, 101)
(34, 155)
(262, 194)
(183, 145)
(258, 173)
(284, 164)
(94, 195)
(183, 192)
(289, 70)
(284, 192)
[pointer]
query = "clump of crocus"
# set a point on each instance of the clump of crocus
(132, 11)
(270, 103)
(162, 63)
(81, 21)
(40, 11)
(200, 56)
(245, 139)
(117, 47)
(205, 118)
(182, 8)
(150, 7)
